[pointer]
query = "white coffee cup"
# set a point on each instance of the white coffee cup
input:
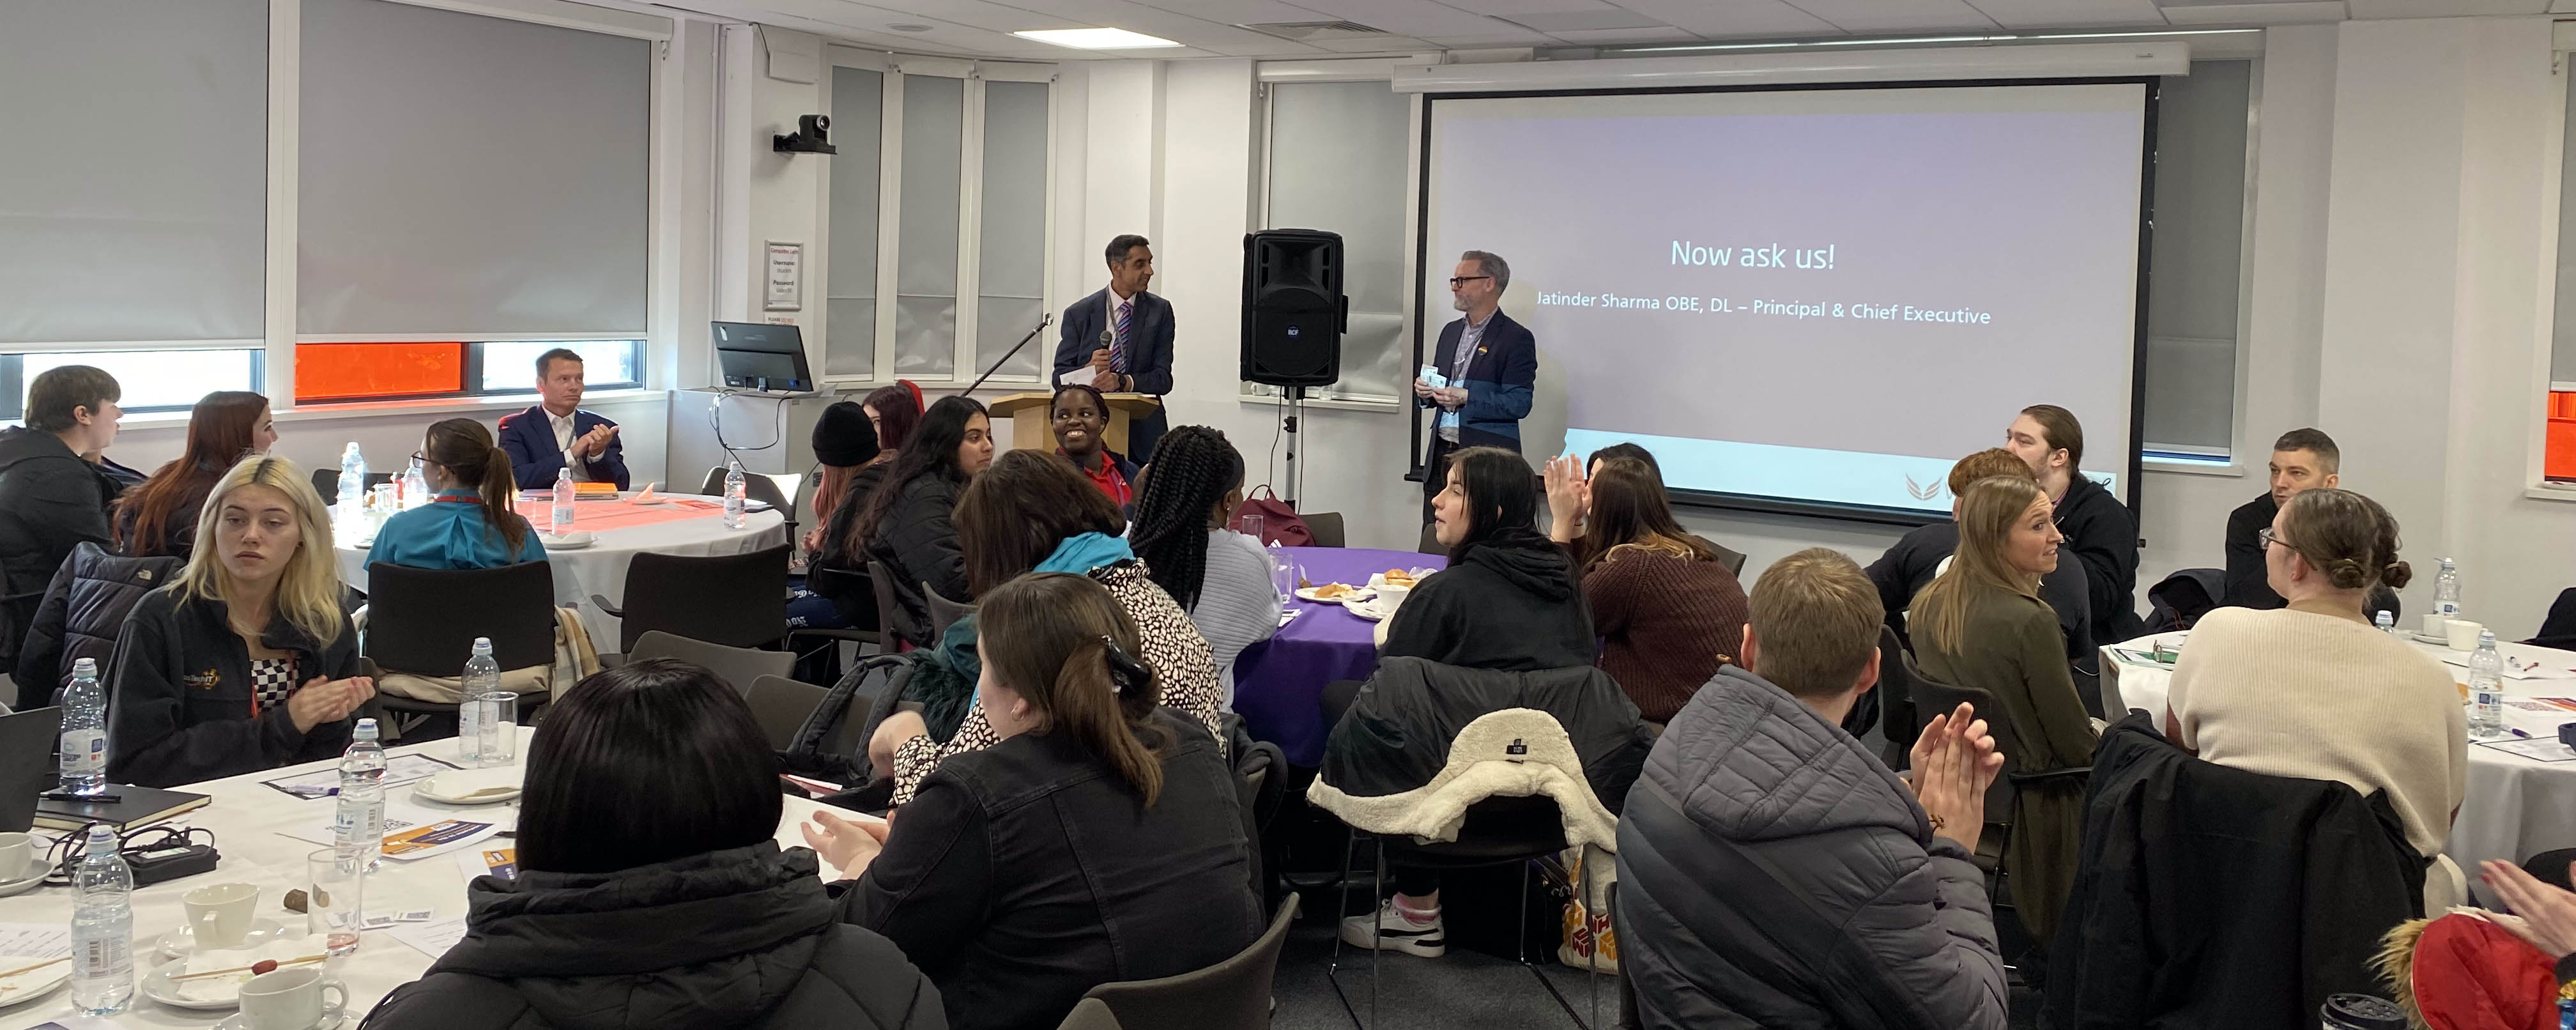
(219, 915)
(290, 999)
(17, 852)
(2437, 625)
(1390, 595)
(2463, 634)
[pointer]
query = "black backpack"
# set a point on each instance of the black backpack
(827, 746)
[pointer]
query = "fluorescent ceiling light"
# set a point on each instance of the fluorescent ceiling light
(1096, 39)
(1907, 40)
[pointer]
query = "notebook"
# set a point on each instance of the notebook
(136, 806)
(26, 760)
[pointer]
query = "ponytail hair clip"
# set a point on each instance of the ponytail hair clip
(1124, 670)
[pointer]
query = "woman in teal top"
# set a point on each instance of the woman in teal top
(469, 524)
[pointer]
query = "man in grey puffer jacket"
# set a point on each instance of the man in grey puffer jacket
(1772, 873)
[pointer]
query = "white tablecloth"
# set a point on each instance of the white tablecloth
(601, 567)
(246, 817)
(2516, 806)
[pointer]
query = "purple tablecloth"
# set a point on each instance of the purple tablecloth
(1279, 683)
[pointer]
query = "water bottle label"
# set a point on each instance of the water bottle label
(108, 957)
(84, 752)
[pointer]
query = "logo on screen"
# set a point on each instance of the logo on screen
(1921, 492)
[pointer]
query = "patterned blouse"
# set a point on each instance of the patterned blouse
(1173, 649)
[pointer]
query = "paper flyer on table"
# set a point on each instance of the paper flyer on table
(431, 939)
(34, 940)
(411, 833)
(500, 862)
(322, 783)
(2539, 748)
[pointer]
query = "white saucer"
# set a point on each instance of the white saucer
(1355, 594)
(37, 867)
(331, 1019)
(1368, 610)
(29, 986)
(573, 541)
(181, 943)
(459, 787)
(158, 986)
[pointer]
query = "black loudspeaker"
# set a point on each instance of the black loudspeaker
(1294, 311)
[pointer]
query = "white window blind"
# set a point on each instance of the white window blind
(1337, 163)
(2562, 351)
(2194, 272)
(468, 175)
(133, 170)
(925, 302)
(850, 310)
(1011, 257)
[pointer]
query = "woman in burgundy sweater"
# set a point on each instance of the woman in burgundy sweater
(1668, 611)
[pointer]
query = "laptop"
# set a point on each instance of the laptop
(27, 741)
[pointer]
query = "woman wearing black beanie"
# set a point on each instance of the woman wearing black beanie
(848, 467)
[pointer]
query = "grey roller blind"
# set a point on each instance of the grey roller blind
(925, 271)
(1337, 154)
(850, 311)
(2190, 380)
(2562, 351)
(133, 170)
(1011, 260)
(469, 175)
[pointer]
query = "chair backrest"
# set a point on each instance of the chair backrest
(890, 620)
(424, 621)
(1731, 558)
(327, 483)
(1430, 542)
(1090, 1014)
(852, 595)
(1230, 995)
(1896, 698)
(943, 612)
(781, 706)
(1325, 527)
(739, 600)
(739, 667)
(1934, 698)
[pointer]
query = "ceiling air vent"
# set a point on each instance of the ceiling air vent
(1311, 31)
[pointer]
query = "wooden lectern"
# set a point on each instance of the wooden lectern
(1033, 426)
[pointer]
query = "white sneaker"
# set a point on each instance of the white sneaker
(1396, 931)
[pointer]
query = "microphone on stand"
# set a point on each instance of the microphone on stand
(1108, 338)
(1044, 320)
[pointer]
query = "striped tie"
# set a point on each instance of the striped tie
(1118, 343)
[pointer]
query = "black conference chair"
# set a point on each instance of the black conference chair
(944, 612)
(1090, 1014)
(738, 600)
(424, 621)
(893, 623)
(1326, 527)
(1230, 995)
(1934, 698)
(327, 483)
(781, 706)
(818, 648)
(1896, 676)
(739, 667)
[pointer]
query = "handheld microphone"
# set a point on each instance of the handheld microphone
(1107, 338)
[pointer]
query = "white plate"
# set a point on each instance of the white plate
(37, 867)
(1356, 594)
(331, 1019)
(158, 986)
(33, 984)
(457, 788)
(180, 943)
(1369, 610)
(1378, 579)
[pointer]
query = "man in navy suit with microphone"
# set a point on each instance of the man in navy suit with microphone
(1119, 340)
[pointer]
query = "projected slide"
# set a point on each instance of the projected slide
(1824, 296)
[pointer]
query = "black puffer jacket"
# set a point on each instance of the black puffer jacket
(50, 502)
(1396, 735)
(2104, 536)
(918, 543)
(1509, 602)
(82, 612)
(740, 938)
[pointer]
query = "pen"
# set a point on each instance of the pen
(2518, 733)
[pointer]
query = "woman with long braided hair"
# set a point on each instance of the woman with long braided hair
(1219, 576)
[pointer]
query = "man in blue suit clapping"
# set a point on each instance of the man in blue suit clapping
(556, 432)
(1119, 340)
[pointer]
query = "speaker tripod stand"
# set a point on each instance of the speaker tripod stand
(1294, 405)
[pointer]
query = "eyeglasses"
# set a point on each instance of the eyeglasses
(1455, 280)
(2265, 538)
(421, 457)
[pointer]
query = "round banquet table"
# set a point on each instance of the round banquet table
(682, 527)
(1279, 683)
(248, 820)
(2516, 806)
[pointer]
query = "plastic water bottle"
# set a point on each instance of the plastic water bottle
(482, 676)
(478, 724)
(358, 825)
(415, 487)
(102, 928)
(560, 520)
(353, 484)
(735, 489)
(84, 761)
(2387, 623)
(2486, 687)
(2446, 591)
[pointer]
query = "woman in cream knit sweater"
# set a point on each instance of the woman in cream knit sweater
(2314, 691)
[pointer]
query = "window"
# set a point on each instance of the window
(134, 197)
(2202, 137)
(149, 380)
(469, 175)
(1336, 161)
(330, 372)
(959, 156)
(2558, 453)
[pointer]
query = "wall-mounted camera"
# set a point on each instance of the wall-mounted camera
(812, 136)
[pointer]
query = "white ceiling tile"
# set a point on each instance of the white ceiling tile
(1375, 45)
(1239, 12)
(1897, 15)
(1583, 21)
(2442, 8)
(2563, 7)
(2235, 14)
(1422, 19)
(1508, 8)
(2055, 14)
(1594, 37)
(1735, 19)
